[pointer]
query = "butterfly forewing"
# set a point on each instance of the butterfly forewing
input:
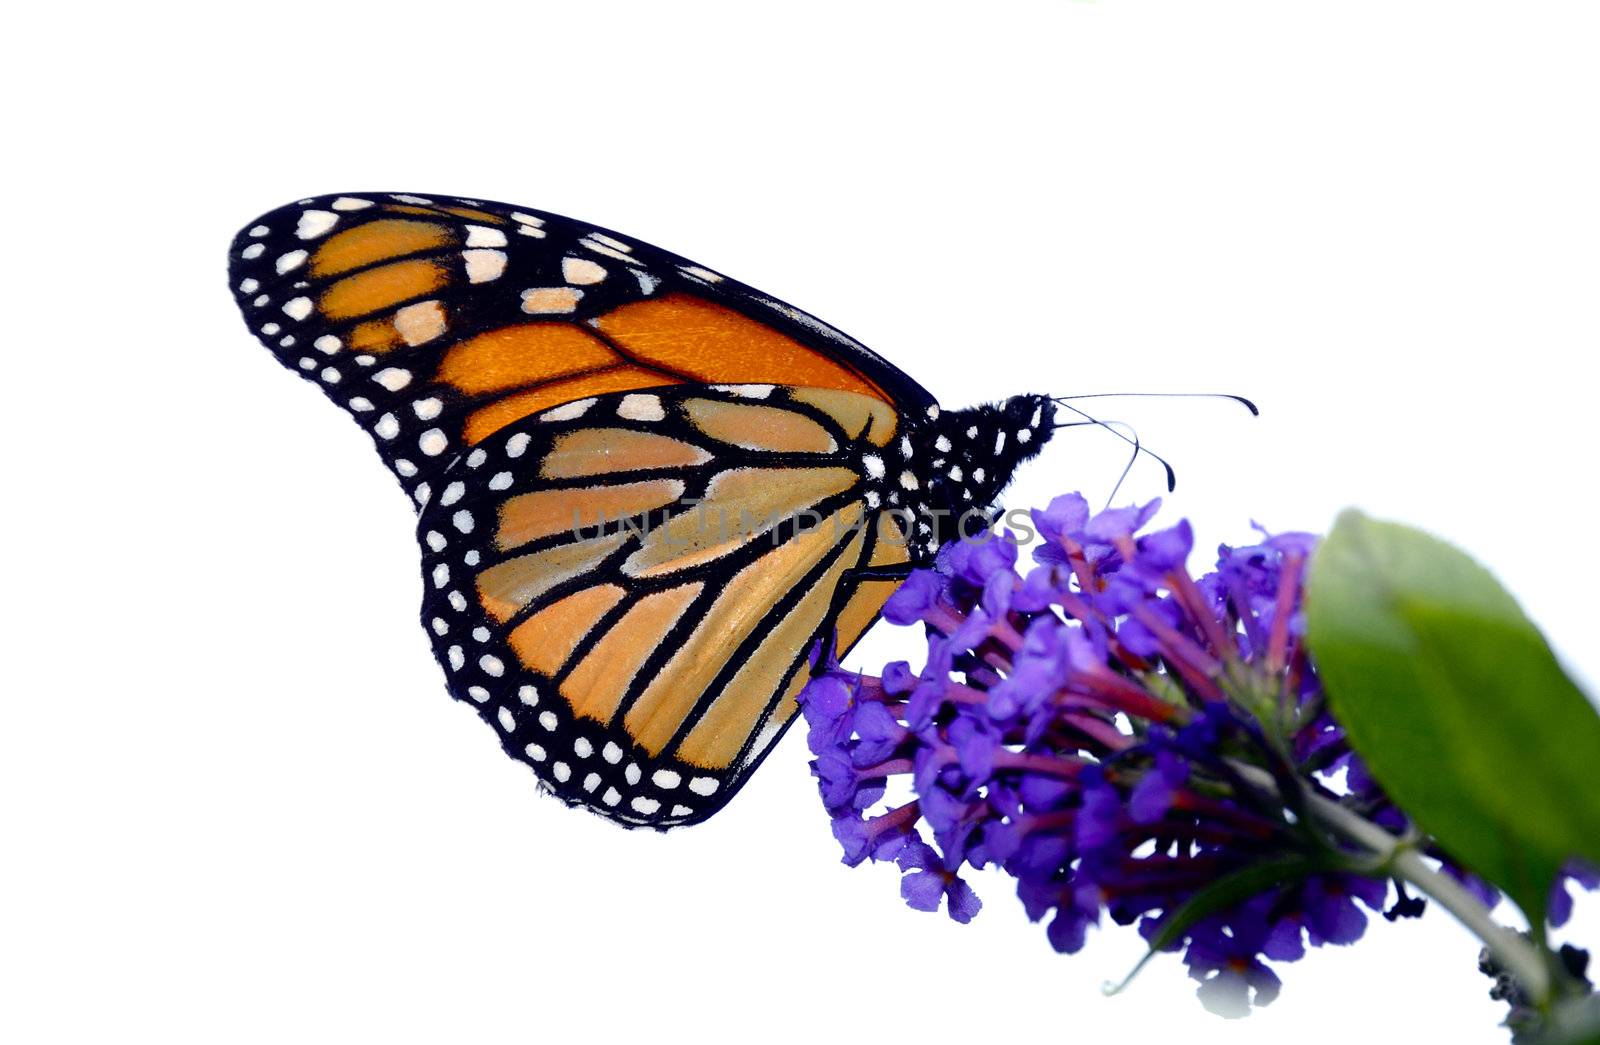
(437, 321)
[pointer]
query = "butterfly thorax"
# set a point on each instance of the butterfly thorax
(951, 464)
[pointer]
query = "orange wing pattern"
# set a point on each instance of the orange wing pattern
(647, 492)
(438, 322)
(629, 586)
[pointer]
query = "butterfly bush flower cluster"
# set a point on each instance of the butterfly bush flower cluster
(1119, 737)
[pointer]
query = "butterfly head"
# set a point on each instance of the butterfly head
(957, 462)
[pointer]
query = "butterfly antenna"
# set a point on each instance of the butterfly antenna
(1138, 448)
(1255, 411)
(1115, 428)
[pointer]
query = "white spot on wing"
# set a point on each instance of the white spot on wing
(746, 391)
(567, 411)
(420, 323)
(393, 378)
(484, 266)
(581, 271)
(433, 442)
(609, 241)
(483, 236)
(604, 245)
(540, 301)
(641, 407)
(314, 223)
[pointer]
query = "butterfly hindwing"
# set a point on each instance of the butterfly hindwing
(629, 587)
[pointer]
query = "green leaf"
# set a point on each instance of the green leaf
(1456, 703)
(1226, 892)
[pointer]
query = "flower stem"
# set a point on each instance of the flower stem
(1400, 858)
(1515, 954)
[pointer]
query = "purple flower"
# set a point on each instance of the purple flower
(826, 703)
(1577, 873)
(836, 779)
(1081, 728)
(917, 596)
(878, 734)
(989, 559)
(1068, 931)
(926, 882)
(1152, 796)
(898, 677)
(1329, 902)
(1065, 516)
(1223, 957)
(1100, 816)
(880, 838)
(1115, 523)
(1166, 550)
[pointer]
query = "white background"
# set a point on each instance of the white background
(238, 805)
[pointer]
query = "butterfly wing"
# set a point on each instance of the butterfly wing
(628, 587)
(478, 343)
(436, 321)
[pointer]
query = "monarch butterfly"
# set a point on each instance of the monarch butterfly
(645, 492)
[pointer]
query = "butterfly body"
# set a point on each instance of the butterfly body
(646, 493)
